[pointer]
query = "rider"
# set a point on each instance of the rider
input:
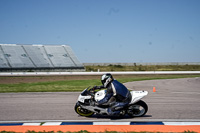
(117, 95)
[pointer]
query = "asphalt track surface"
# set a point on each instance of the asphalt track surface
(174, 100)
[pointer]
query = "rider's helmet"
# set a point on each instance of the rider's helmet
(106, 79)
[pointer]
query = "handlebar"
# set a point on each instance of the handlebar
(91, 91)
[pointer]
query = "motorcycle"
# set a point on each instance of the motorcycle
(83, 107)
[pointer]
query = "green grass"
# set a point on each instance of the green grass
(55, 86)
(78, 85)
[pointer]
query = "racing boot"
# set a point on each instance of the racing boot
(113, 113)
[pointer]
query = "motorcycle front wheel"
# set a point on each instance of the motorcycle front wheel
(138, 109)
(83, 112)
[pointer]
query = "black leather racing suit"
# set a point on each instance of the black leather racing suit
(117, 91)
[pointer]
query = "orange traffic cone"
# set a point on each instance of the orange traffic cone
(154, 89)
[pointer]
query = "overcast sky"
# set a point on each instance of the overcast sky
(107, 30)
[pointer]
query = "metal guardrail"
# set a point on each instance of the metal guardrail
(94, 73)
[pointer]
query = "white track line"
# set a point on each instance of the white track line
(105, 120)
(181, 123)
(31, 124)
(51, 123)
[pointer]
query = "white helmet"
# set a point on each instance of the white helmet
(106, 79)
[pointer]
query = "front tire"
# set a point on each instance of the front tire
(138, 109)
(81, 111)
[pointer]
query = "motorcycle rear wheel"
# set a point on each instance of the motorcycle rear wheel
(83, 112)
(138, 109)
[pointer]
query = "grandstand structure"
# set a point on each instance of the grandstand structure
(14, 57)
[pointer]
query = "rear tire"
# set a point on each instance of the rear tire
(138, 109)
(83, 112)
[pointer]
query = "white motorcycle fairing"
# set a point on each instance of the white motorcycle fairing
(137, 95)
(82, 98)
(100, 95)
